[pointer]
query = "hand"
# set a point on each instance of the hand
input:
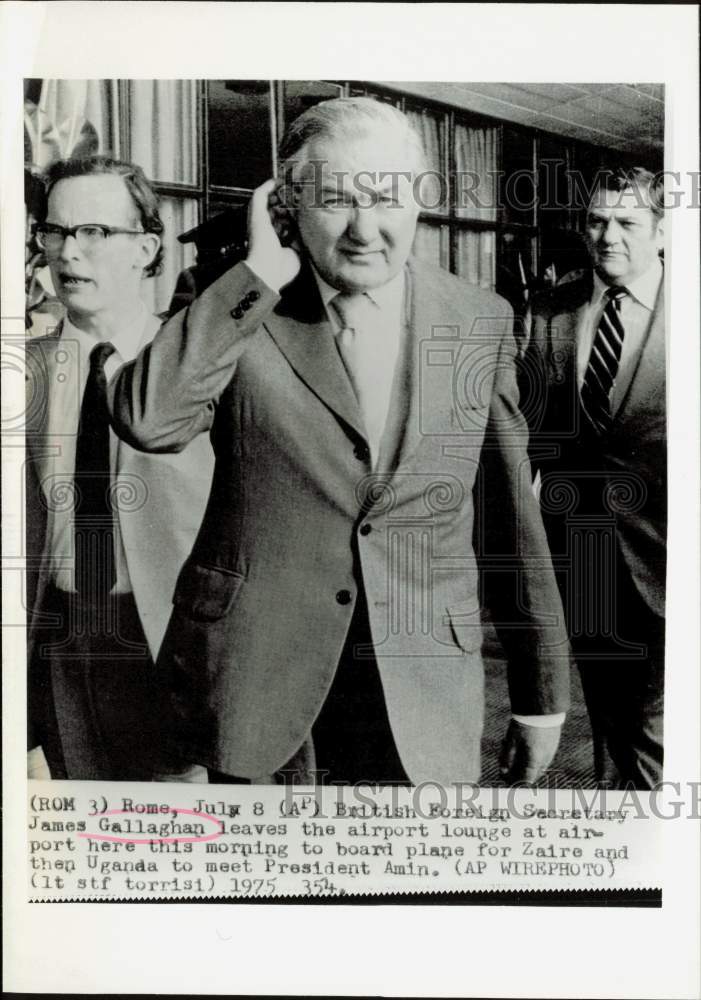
(37, 766)
(274, 263)
(527, 751)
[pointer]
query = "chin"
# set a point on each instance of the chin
(611, 274)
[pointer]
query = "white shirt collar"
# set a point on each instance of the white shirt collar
(127, 342)
(388, 298)
(644, 288)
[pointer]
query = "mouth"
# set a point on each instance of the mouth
(73, 281)
(362, 256)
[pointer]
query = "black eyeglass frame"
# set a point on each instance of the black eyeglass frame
(41, 229)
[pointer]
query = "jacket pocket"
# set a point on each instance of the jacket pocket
(206, 593)
(465, 626)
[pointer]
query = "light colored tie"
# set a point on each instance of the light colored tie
(370, 355)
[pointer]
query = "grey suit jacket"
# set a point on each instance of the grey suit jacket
(630, 461)
(297, 522)
(160, 503)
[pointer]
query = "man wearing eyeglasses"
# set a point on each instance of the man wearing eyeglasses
(107, 527)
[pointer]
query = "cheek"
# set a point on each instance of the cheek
(114, 275)
(402, 232)
(320, 235)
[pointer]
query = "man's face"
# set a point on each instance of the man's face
(622, 235)
(106, 278)
(356, 214)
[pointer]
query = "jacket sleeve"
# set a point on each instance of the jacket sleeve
(167, 395)
(518, 581)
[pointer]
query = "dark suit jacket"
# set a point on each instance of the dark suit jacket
(297, 522)
(626, 468)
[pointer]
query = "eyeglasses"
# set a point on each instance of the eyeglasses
(89, 237)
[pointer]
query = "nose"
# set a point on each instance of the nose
(69, 249)
(362, 226)
(610, 232)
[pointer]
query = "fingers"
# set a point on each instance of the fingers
(258, 205)
(507, 755)
(527, 752)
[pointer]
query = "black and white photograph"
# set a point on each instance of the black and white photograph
(322, 552)
(342, 471)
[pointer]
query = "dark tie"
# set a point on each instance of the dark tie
(604, 361)
(95, 572)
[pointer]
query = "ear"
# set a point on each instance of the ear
(659, 235)
(147, 247)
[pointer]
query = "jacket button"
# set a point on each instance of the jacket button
(365, 529)
(237, 313)
(253, 296)
(362, 452)
(344, 597)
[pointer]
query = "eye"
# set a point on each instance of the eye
(92, 232)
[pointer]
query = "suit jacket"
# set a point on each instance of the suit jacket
(160, 505)
(297, 522)
(625, 467)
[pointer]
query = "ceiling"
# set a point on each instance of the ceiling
(623, 116)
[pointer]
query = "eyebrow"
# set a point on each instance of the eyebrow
(385, 186)
(597, 216)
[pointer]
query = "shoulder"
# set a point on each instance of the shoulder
(438, 284)
(562, 298)
(38, 352)
(39, 344)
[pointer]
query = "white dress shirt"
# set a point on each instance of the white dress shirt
(636, 313)
(65, 399)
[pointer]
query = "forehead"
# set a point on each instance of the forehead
(374, 153)
(629, 202)
(93, 198)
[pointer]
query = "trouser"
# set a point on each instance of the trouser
(622, 675)
(92, 693)
(352, 737)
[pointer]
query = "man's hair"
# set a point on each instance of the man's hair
(346, 119)
(139, 187)
(649, 185)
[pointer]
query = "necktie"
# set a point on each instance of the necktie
(369, 358)
(604, 360)
(95, 572)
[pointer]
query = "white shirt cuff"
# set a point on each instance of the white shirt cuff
(541, 721)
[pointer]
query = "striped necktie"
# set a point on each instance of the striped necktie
(605, 357)
(95, 571)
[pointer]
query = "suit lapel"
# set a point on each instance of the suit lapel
(40, 366)
(300, 328)
(564, 334)
(651, 361)
(416, 308)
(123, 452)
(437, 395)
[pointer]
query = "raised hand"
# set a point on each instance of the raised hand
(270, 227)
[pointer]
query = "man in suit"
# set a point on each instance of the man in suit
(594, 391)
(327, 623)
(108, 527)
